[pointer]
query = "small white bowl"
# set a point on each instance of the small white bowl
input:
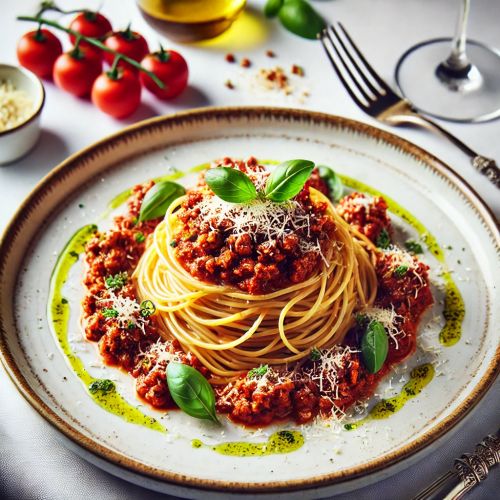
(16, 142)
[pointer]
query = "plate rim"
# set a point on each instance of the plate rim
(263, 113)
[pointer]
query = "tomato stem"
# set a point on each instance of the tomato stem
(113, 72)
(95, 42)
(163, 55)
(127, 34)
(39, 36)
(76, 52)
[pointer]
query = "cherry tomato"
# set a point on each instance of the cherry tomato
(37, 51)
(119, 94)
(77, 70)
(171, 68)
(91, 24)
(129, 43)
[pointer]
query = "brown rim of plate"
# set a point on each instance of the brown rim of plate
(294, 115)
(31, 75)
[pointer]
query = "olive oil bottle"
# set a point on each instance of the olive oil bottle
(190, 20)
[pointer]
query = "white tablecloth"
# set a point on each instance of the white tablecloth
(33, 462)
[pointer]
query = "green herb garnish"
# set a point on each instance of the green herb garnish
(158, 199)
(147, 308)
(116, 281)
(258, 372)
(333, 182)
(173, 244)
(139, 237)
(383, 239)
(191, 391)
(401, 270)
(414, 246)
(374, 346)
(230, 185)
(288, 179)
(272, 7)
(299, 17)
(102, 385)
(361, 319)
(315, 354)
(109, 312)
(64, 301)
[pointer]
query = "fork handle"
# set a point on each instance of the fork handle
(482, 164)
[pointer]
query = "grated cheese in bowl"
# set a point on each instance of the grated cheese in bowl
(15, 106)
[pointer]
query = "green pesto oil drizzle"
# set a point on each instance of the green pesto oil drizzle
(419, 378)
(454, 308)
(278, 443)
(59, 313)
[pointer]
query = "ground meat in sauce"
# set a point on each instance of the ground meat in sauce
(247, 401)
(368, 216)
(211, 252)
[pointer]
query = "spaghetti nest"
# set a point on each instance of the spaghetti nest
(231, 331)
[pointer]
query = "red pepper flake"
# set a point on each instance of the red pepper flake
(245, 63)
(270, 53)
(230, 58)
(297, 70)
(229, 84)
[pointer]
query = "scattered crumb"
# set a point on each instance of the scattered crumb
(229, 84)
(230, 58)
(275, 78)
(245, 62)
(297, 70)
(270, 53)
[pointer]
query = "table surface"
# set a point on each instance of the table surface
(33, 461)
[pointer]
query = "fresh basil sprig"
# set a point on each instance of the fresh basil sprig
(272, 7)
(158, 199)
(333, 182)
(299, 17)
(191, 391)
(287, 179)
(230, 185)
(374, 346)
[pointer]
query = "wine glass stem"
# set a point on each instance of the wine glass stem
(457, 60)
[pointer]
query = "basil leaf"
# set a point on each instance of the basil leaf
(287, 179)
(374, 346)
(158, 199)
(230, 185)
(191, 391)
(401, 270)
(414, 246)
(333, 182)
(272, 7)
(300, 18)
(383, 239)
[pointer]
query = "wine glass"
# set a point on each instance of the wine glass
(461, 85)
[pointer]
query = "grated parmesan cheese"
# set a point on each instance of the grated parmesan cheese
(128, 310)
(15, 106)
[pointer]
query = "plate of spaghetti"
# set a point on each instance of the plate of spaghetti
(251, 300)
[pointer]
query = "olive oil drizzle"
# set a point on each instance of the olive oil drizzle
(58, 315)
(419, 378)
(278, 443)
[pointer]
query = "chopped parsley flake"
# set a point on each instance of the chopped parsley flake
(414, 246)
(400, 271)
(383, 239)
(139, 237)
(64, 301)
(74, 254)
(258, 372)
(315, 354)
(102, 385)
(173, 244)
(81, 205)
(116, 281)
(147, 308)
(109, 312)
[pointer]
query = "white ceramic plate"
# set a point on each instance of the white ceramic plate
(332, 459)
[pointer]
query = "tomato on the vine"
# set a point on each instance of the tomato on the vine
(171, 68)
(91, 24)
(77, 70)
(37, 51)
(117, 92)
(129, 43)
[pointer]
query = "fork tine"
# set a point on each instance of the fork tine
(355, 64)
(370, 69)
(326, 35)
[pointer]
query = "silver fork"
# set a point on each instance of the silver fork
(376, 98)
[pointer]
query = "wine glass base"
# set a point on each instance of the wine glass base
(474, 99)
